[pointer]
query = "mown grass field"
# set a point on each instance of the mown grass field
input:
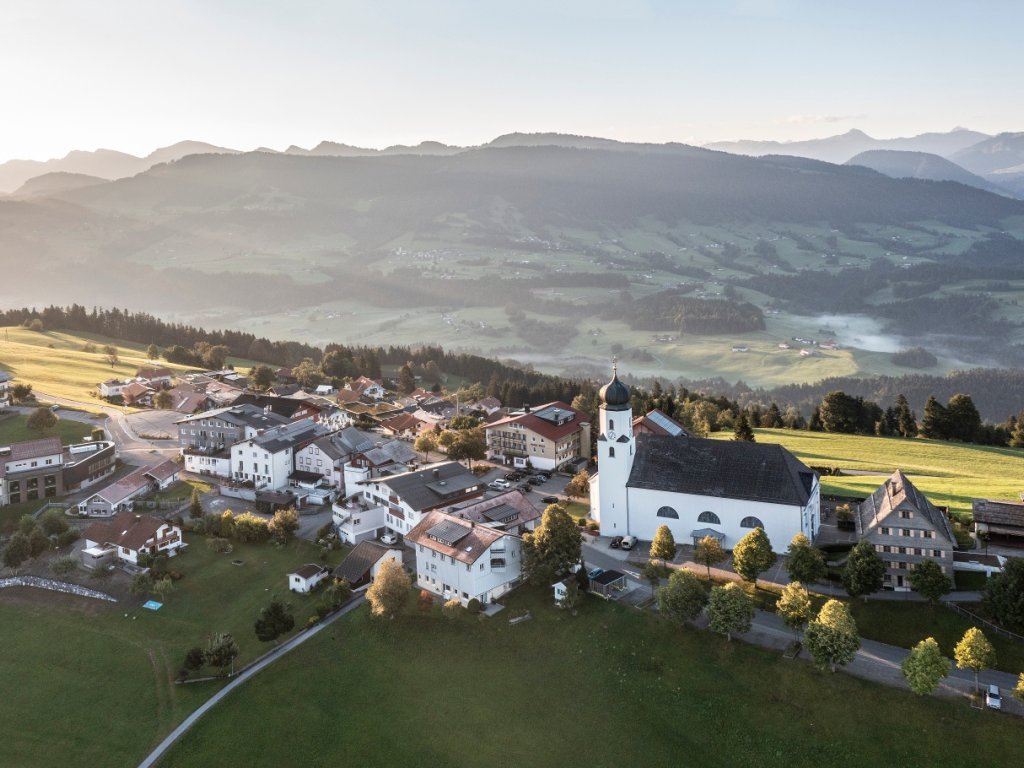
(54, 362)
(949, 474)
(14, 429)
(88, 683)
(609, 687)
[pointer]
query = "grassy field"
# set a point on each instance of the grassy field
(54, 362)
(949, 474)
(609, 687)
(13, 429)
(92, 682)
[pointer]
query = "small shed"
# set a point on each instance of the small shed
(305, 578)
(1002, 521)
(560, 591)
(363, 563)
(608, 583)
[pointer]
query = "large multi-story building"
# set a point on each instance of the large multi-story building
(44, 469)
(905, 529)
(267, 460)
(463, 560)
(5, 389)
(546, 437)
(205, 439)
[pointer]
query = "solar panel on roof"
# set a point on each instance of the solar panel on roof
(448, 533)
(665, 423)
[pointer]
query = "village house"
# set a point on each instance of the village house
(291, 408)
(511, 511)
(5, 390)
(44, 469)
(655, 422)
(138, 394)
(1001, 522)
(460, 559)
(369, 388)
(157, 378)
(406, 497)
(905, 529)
(363, 563)
(114, 387)
(126, 537)
(205, 439)
(391, 457)
(120, 496)
(266, 461)
(328, 455)
(405, 425)
(697, 487)
(546, 437)
(307, 577)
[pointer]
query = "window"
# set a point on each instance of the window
(906, 532)
(917, 551)
(751, 522)
(937, 553)
(905, 514)
(668, 512)
(708, 517)
(611, 423)
(929, 534)
(903, 550)
(611, 453)
(885, 531)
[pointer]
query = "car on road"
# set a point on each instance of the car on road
(993, 700)
(389, 539)
(549, 500)
(499, 485)
(628, 542)
(616, 542)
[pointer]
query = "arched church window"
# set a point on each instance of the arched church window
(611, 453)
(668, 512)
(611, 423)
(709, 517)
(751, 522)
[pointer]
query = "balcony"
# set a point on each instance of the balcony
(498, 563)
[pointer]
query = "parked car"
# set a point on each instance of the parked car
(593, 573)
(628, 542)
(993, 700)
(542, 477)
(513, 477)
(389, 539)
(549, 500)
(616, 542)
(535, 480)
(499, 485)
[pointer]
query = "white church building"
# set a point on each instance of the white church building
(698, 487)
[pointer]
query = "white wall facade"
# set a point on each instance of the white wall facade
(267, 470)
(781, 522)
(484, 579)
(610, 504)
(356, 524)
(217, 466)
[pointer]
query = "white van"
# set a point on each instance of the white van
(628, 542)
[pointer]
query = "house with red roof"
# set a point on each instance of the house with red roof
(126, 537)
(546, 437)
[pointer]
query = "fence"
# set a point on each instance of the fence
(976, 618)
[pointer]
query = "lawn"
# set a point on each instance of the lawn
(180, 491)
(54, 362)
(609, 687)
(14, 429)
(950, 474)
(92, 683)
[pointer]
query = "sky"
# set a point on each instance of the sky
(135, 75)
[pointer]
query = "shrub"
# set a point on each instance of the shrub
(67, 538)
(452, 608)
(218, 544)
(473, 606)
(62, 566)
(53, 523)
(592, 526)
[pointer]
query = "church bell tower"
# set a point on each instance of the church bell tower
(616, 447)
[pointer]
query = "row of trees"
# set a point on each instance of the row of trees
(34, 537)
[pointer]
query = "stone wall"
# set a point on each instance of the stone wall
(55, 586)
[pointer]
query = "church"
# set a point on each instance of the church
(698, 487)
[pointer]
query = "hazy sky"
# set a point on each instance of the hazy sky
(138, 74)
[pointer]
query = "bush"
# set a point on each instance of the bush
(218, 544)
(67, 538)
(324, 530)
(53, 523)
(62, 566)
(452, 608)
(473, 606)
(592, 526)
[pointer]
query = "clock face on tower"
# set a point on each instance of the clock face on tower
(611, 434)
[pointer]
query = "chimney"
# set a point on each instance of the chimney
(526, 408)
(437, 473)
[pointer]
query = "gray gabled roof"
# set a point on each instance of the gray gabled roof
(729, 469)
(432, 486)
(898, 492)
(359, 561)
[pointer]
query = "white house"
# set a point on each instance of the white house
(305, 578)
(410, 495)
(393, 457)
(698, 487)
(459, 559)
(368, 388)
(357, 521)
(5, 384)
(328, 455)
(267, 460)
(114, 387)
(128, 536)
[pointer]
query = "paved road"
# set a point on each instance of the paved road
(152, 758)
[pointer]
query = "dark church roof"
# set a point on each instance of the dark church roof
(727, 468)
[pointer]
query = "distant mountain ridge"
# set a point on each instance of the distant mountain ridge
(839, 149)
(922, 165)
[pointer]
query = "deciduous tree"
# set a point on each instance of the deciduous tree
(925, 667)
(553, 548)
(683, 598)
(41, 419)
(864, 571)
(974, 652)
(664, 545)
(389, 591)
(17, 551)
(579, 486)
(1004, 594)
(163, 400)
(794, 606)
(752, 555)
(730, 610)
(261, 377)
(221, 650)
(832, 636)
(709, 553)
(804, 562)
(110, 352)
(153, 352)
(425, 444)
(284, 524)
(928, 580)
